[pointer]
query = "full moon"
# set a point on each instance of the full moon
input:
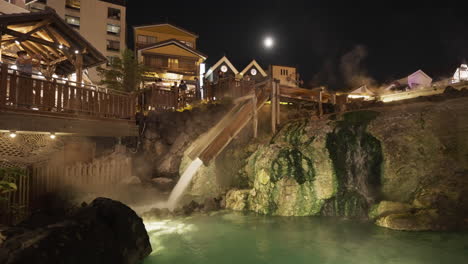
(268, 42)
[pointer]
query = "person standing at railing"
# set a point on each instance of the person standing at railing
(183, 92)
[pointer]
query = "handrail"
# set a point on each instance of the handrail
(22, 92)
(62, 80)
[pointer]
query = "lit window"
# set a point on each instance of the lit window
(173, 63)
(145, 40)
(113, 29)
(224, 68)
(113, 45)
(113, 13)
(73, 4)
(72, 21)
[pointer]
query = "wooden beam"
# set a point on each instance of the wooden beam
(278, 101)
(255, 116)
(320, 105)
(79, 67)
(23, 37)
(273, 106)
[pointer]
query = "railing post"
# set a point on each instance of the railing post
(278, 101)
(273, 106)
(255, 115)
(320, 105)
(3, 84)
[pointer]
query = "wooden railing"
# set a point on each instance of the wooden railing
(59, 97)
(228, 87)
(163, 98)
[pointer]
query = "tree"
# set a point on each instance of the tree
(124, 73)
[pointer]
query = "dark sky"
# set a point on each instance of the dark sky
(330, 46)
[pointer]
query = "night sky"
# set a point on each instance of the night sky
(338, 47)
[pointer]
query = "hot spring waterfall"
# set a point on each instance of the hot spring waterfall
(183, 183)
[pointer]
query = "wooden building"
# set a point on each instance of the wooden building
(254, 72)
(170, 53)
(223, 67)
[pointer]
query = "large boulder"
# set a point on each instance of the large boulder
(105, 231)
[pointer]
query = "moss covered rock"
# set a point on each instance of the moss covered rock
(237, 199)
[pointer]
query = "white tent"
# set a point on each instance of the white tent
(461, 74)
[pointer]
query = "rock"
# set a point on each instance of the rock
(106, 231)
(422, 220)
(160, 148)
(151, 134)
(163, 184)
(191, 208)
(237, 200)
(385, 208)
(211, 204)
(132, 180)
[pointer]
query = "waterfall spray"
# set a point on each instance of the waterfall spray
(183, 183)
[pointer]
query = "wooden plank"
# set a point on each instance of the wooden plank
(3, 84)
(273, 98)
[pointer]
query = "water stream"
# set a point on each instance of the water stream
(183, 183)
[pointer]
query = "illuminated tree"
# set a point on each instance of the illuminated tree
(123, 73)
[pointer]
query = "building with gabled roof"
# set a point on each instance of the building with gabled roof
(416, 80)
(222, 66)
(169, 52)
(254, 71)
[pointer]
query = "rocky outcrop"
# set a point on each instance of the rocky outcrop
(403, 166)
(167, 135)
(105, 231)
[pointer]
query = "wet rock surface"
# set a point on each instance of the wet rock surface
(104, 231)
(402, 166)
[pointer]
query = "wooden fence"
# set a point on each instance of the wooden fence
(14, 205)
(164, 98)
(228, 87)
(27, 93)
(100, 175)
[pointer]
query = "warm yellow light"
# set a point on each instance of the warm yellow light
(52, 136)
(12, 134)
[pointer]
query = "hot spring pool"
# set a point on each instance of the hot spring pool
(242, 239)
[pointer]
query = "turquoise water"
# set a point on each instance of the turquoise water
(243, 239)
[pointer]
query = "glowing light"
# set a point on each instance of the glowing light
(268, 42)
(12, 134)
(14, 67)
(60, 46)
(35, 108)
(76, 52)
(52, 136)
(17, 42)
(253, 72)
(224, 68)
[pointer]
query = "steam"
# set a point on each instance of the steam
(345, 72)
(351, 68)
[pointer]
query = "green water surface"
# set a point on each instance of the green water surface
(242, 239)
